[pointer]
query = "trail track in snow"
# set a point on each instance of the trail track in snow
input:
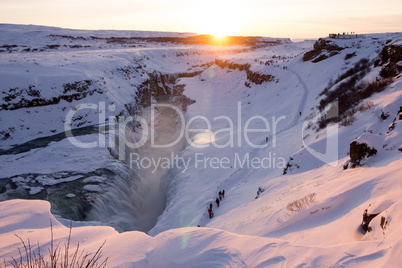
(302, 104)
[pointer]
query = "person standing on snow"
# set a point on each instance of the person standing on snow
(210, 212)
(217, 201)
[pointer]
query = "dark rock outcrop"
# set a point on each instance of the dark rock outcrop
(366, 220)
(18, 98)
(359, 151)
(320, 46)
(254, 77)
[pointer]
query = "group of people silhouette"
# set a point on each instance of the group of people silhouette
(217, 201)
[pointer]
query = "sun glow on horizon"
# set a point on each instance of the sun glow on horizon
(219, 35)
(288, 18)
(220, 29)
(224, 19)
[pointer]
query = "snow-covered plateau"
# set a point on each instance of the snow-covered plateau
(130, 136)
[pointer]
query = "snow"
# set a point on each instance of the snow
(33, 34)
(94, 179)
(44, 180)
(55, 153)
(246, 231)
(92, 188)
(193, 246)
(34, 190)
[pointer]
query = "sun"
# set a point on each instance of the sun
(219, 35)
(220, 25)
(221, 30)
(225, 18)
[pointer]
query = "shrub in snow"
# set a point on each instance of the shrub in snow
(359, 151)
(289, 166)
(58, 256)
(384, 116)
(348, 120)
(6, 134)
(320, 58)
(301, 203)
(259, 191)
(350, 90)
(398, 117)
(350, 55)
(390, 57)
(346, 92)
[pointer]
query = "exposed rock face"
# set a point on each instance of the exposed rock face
(158, 85)
(17, 98)
(367, 219)
(254, 77)
(320, 46)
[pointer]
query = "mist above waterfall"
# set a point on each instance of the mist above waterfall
(134, 200)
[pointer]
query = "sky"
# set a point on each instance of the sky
(274, 18)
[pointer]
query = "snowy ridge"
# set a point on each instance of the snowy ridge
(195, 247)
(309, 217)
(11, 33)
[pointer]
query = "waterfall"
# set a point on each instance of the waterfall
(136, 194)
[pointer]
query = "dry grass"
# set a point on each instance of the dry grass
(58, 257)
(301, 203)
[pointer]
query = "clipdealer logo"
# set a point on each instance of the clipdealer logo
(119, 124)
(330, 156)
(236, 134)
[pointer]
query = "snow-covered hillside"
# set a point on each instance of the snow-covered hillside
(22, 37)
(303, 137)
